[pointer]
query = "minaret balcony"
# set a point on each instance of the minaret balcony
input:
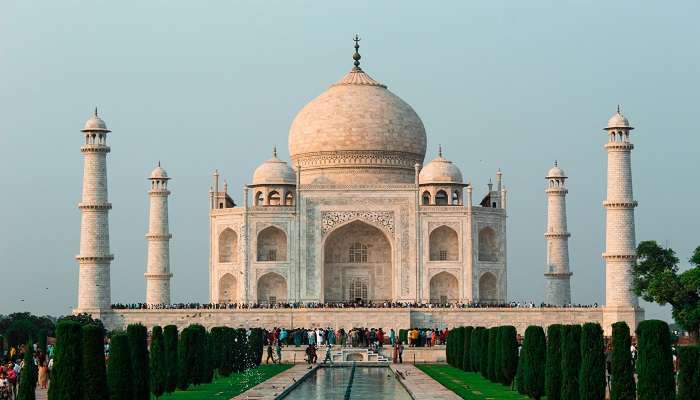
(554, 235)
(619, 146)
(610, 256)
(159, 236)
(95, 148)
(558, 275)
(619, 204)
(94, 259)
(95, 206)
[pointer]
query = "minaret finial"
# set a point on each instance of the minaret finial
(274, 150)
(95, 113)
(555, 163)
(357, 56)
(159, 163)
(618, 109)
(440, 150)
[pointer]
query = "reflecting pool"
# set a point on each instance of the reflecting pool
(376, 383)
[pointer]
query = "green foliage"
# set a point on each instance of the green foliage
(553, 366)
(170, 343)
(119, 374)
(688, 385)
(27, 379)
(138, 344)
(67, 362)
(217, 347)
(570, 361)
(467, 348)
(467, 385)
(41, 341)
(84, 319)
(534, 350)
(592, 371)
(458, 340)
(656, 279)
(498, 356)
(475, 349)
(484, 356)
(491, 355)
(94, 379)
(18, 328)
(255, 346)
(655, 378)
(623, 386)
(520, 374)
(20, 331)
(185, 359)
(227, 346)
(157, 362)
(509, 354)
(208, 363)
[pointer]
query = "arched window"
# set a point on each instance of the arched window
(357, 290)
(259, 199)
(272, 288)
(488, 289)
(227, 289)
(444, 288)
(274, 198)
(455, 198)
(289, 199)
(272, 244)
(358, 253)
(488, 245)
(441, 198)
(426, 198)
(228, 246)
(443, 244)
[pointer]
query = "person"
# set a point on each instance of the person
(43, 376)
(4, 386)
(395, 357)
(283, 336)
(278, 350)
(400, 353)
(269, 354)
(297, 338)
(312, 336)
(329, 354)
(392, 336)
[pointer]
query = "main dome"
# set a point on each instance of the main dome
(357, 123)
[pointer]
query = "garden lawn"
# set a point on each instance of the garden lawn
(226, 388)
(468, 385)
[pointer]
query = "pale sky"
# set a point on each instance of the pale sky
(204, 85)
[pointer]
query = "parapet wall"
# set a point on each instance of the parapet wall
(386, 318)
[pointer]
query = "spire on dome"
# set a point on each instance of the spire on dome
(618, 109)
(357, 56)
(439, 150)
(274, 150)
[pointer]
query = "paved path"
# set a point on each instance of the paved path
(273, 387)
(41, 394)
(420, 385)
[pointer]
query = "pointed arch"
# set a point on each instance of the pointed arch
(441, 198)
(272, 244)
(488, 287)
(228, 289)
(289, 199)
(272, 288)
(426, 198)
(443, 244)
(488, 244)
(259, 199)
(444, 288)
(228, 246)
(274, 198)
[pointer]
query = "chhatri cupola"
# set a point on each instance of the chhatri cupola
(357, 132)
(274, 183)
(441, 183)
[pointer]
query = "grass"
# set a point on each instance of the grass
(468, 385)
(226, 388)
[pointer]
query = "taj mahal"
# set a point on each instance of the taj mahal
(359, 215)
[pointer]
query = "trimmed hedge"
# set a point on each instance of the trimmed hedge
(623, 386)
(655, 380)
(94, 379)
(157, 363)
(138, 339)
(467, 349)
(534, 350)
(484, 354)
(67, 362)
(475, 349)
(592, 372)
(27, 378)
(171, 357)
(119, 374)
(553, 366)
(688, 385)
(509, 354)
(570, 361)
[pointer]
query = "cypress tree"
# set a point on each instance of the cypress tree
(484, 356)
(592, 372)
(535, 350)
(467, 349)
(570, 361)
(491, 356)
(184, 359)
(520, 373)
(655, 378)
(498, 357)
(171, 358)
(553, 366)
(255, 345)
(119, 374)
(157, 363)
(688, 386)
(209, 375)
(67, 362)
(449, 349)
(475, 348)
(27, 378)
(509, 353)
(458, 355)
(138, 345)
(622, 386)
(94, 379)
(226, 365)
(217, 347)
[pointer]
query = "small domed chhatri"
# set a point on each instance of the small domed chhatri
(274, 172)
(556, 172)
(158, 173)
(95, 124)
(440, 170)
(618, 121)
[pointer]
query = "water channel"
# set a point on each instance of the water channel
(330, 383)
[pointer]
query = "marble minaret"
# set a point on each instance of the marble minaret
(557, 276)
(620, 245)
(158, 268)
(94, 258)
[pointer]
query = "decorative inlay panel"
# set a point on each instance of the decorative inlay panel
(331, 219)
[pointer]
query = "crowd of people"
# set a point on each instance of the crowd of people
(369, 304)
(11, 365)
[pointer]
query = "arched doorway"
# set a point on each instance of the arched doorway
(444, 288)
(357, 264)
(488, 245)
(228, 246)
(272, 244)
(227, 289)
(272, 288)
(443, 244)
(488, 288)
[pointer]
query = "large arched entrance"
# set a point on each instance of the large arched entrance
(488, 290)
(272, 288)
(357, 264)
(444, 288)
(227, 289)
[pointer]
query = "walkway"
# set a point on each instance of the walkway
(420, 385)
(41, 394)
(275, 386)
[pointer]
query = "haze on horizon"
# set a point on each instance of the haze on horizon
(200, 86)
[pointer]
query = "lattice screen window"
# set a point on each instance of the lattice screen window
(272, 255)
(443, 255)
(358, 253)
(358, 289)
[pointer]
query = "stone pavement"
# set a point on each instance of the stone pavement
(41, 394)
(420, 385)
(275, 386)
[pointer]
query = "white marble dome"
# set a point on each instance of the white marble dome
(618, 121)
(159, 173)
(440, 170)
(274, 172)
(94, 123)
(556, 172)
(358, 114)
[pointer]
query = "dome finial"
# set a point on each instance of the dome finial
(555, 163)
(357, 56)
(618, 109)
(95, 113)
(439, 150)
(274, 150)
(159, 163)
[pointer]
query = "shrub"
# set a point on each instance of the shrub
(497, 357)
(467, 349)
(688, 386)
(570, 361)
(157, 363)
(138, 345)
(592, 371)
(67, 362)
(509, 354)
(655, 378)
(491, 356)
(185, 359)
(475, 348)
(94, 379)
(27, 379)
(484, 353)
(171, 359)
(534, 349)
(552, 374)
(226, 357)
(622, 386)
(457, 336)
(119, 374)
